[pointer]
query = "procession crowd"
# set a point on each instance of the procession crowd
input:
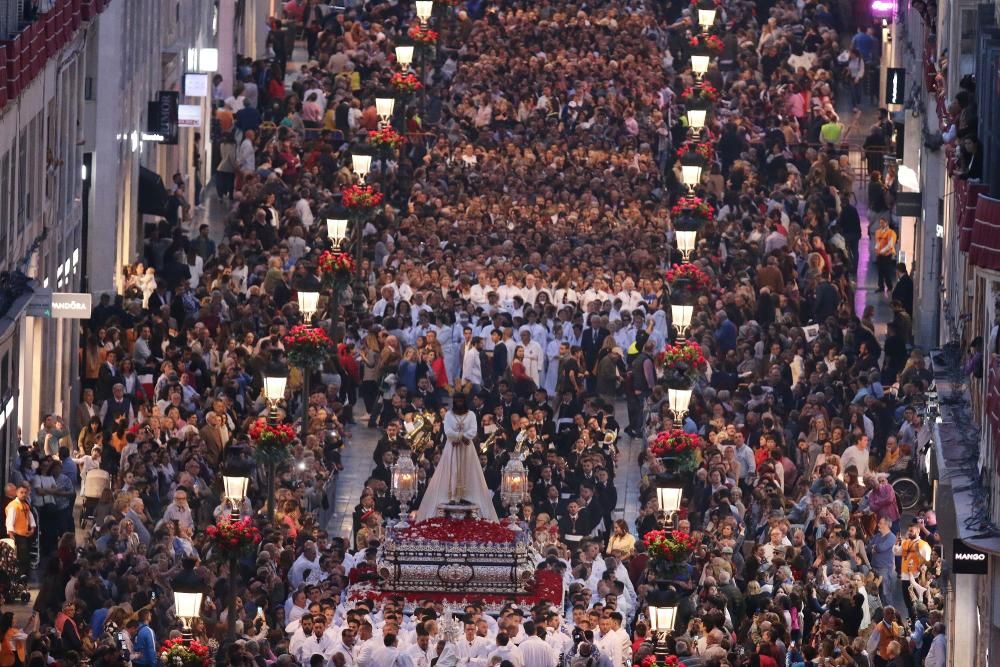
(519, 260)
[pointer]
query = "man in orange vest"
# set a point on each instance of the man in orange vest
(21, 526)
(914, 552)
(886, 633)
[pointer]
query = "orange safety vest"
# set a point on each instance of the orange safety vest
(22, 517)
(912, 560)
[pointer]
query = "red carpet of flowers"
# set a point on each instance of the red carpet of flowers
(458, 530)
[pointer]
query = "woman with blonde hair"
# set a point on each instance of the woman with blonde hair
(621, 540)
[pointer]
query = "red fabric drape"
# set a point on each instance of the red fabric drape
(984, 249)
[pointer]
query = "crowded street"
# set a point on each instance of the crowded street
(508, 334)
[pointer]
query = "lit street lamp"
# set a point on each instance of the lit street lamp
(424, 9)
(699, 64)
(404, 56)
(336, 230)
(274, 391)
(681, 315)
(697, 118)
(668, 497)
(361, 164)
(384, 106)
(679, 400)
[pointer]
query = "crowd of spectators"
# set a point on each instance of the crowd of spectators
(519, 258)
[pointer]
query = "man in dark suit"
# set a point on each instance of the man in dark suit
(575, 524)
(108, 377)
(903, 291)
(500, 362)
(590, 343)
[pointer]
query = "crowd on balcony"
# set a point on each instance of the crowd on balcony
(526, 242)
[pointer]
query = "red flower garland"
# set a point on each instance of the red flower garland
(306, 346)
(422, 35)
(693, 206)
(187, 651)
(668, 443)
(278, 435)
(386, 138)
(458, 530)
(332, 262)
(406, 83)
(361, 196)
(690, 273)
(704, 91)
(703, 150)
(672, 546)
(689, 354)
(710, 42)
(230, 538)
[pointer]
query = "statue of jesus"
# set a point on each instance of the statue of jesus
(459, 476)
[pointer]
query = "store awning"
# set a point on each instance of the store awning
(984, 249)
(152, 194)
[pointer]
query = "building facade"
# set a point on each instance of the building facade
(77, 160)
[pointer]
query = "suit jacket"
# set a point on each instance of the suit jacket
(107, 378)
(83, 414)
(581, 526)
(214, 444)
(591, 343)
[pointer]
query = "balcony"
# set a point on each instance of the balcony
(31, 36)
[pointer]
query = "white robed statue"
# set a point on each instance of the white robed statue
(458, 477)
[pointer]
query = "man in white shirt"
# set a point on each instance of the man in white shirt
(506, 650)
(631, 299)
(534, 356)
(246, 160)
(307, 562)
(534, 650)
(478, 292)
(347, 647)
(366, 645)
(422, 653)
(472, 650)
(472, 367)
(389, 655)
(614, 642)
(318, 642)
(857, 455)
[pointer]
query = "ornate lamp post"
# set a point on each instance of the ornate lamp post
(681, 315)
(404, 486)
(384, 106)
(361, 164)
(235, 486)
(691, 167)
(706, 15)
(187, 603)
(424, 9)
(679, 400)
(302, 352)
(668, 497)
(274, 391)
(697, 118)
(513, 485)
(699, 64)
(662, 617)
(336, 231)
(404, 56)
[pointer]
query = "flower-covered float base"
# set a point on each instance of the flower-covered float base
(458, 557)
(543, 586)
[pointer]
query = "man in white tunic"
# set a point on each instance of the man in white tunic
(534, 356)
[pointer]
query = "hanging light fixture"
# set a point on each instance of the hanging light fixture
(679, 400)
(308, 304)
(697, 118)
(384, 107)
(404, 56)
(424, 9)
(699, 64)
(336, 230)
(361, 164)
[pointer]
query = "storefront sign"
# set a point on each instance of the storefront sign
(909, 204)
(60, 305)
(883, 8)
(162, 116)
(895, 86)
(189, 115)
(195, 84)
(968, 560)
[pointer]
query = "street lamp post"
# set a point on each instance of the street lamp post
(661, 622)
(235, 487)
(679, 400)
(308, 302)
(187, 604)
(274, 391)
(668, 497)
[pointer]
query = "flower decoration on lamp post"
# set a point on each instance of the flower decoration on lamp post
(307, 346)
(270, 437)
(230, 541)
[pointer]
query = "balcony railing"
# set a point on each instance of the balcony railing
(24, 54)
